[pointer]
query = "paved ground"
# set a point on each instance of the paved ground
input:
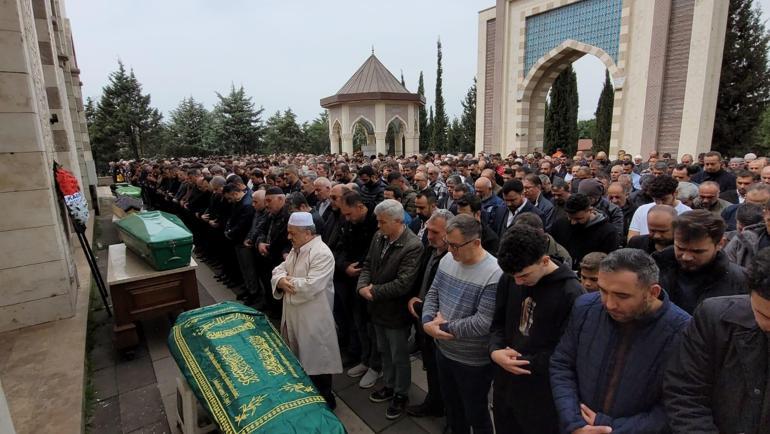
(138, 395)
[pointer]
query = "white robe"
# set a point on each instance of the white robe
(307, 323)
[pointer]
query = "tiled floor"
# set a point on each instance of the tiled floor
(138, 395)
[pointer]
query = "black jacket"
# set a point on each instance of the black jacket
(392, 276)
(718, 279)
(239, 223)
(551, 302)
(614, 214)
(274, 233)
(730, 195)
(642, 242)
(354, 240)
(717, 380)
(372, 193)
(725, 179)
(332, 228)
(598, 235)
(500, 217)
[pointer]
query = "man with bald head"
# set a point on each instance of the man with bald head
(489, 201)
(660, 223)
(490, 175)
(765, 174)
(708, 198)
(617, 194)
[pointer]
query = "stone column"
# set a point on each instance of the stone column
(412, 144)
(41, 267)
(347, 143)
(380, 145)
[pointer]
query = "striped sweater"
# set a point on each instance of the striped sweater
(465, 296)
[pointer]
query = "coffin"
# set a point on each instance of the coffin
(245, 376)
(129, 191)
(161, 239)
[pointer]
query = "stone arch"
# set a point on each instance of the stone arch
(365, 122)
(335, 136)
(534, 88)
(400, 128)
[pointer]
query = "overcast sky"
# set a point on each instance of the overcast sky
(285, 53)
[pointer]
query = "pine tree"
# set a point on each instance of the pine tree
(284, 134)
(604, 116)
(468, 121)
(440, 120)
(561, 117)
(237, 125)
(423, 117)
(123, 124)
(188, 130)
(317, 134)
(744, 86)
(762, 139)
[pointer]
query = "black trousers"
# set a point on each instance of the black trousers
(323, 383)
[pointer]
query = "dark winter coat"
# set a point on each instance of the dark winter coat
(718, 279)
(392, 276)
(744, 245)
(500, 217)
(239, 222)
(717, 381)
(725, 179)
(598, 235)
(583, 363)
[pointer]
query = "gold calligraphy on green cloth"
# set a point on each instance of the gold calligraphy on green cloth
(244, 374)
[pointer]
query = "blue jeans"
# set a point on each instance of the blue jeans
(465, 389)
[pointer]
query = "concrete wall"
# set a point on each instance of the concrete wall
(37, 272)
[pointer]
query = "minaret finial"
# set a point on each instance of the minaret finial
(372, 49)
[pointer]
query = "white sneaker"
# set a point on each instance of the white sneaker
(369, 379)
(358, 370)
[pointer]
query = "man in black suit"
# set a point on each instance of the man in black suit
(743, 180)
(515, 204)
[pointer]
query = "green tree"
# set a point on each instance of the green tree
(561, 116)
(455, 136)
(604, 116)
(359, 137)
(317, 134)
(188, 130)
(123, 124)
(284, 134)
(587, 129)
(440, 120)
(744, 85)
(236, 125)
(429, 131)
(423, 117)
(467, 132)
(762, 139)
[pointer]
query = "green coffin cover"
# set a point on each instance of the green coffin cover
(129, 190)
(159, 238)
(245, 376)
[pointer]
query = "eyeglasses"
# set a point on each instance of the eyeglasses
(459, 246)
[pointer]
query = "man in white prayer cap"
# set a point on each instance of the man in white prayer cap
(304, 282)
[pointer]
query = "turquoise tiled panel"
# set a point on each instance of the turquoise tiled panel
(594, 22)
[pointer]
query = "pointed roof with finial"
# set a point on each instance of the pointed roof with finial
(371, 82)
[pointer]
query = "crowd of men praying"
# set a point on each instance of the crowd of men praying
(590, 295)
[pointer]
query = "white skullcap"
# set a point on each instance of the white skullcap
(750, 156)
(300, 218)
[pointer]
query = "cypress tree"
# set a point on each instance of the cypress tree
(744, 86)
(423, 117)
(429, 130)
(440, 120)
(467, 136)
(604, 116)
(561, 115)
